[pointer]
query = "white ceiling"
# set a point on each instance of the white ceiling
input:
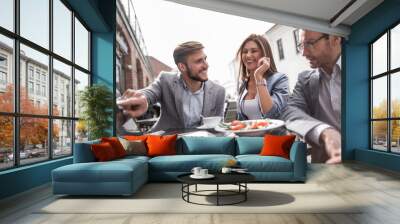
(318, 15)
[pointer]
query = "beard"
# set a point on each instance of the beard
(194, 77)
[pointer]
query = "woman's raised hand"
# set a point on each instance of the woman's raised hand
(262, 66)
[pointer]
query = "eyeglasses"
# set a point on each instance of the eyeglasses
(310, 44)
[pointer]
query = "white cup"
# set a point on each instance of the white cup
(203, 172)
(211, 121)
(196, 171)
(226, 170)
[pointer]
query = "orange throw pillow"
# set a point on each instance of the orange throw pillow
(277, 145)
(116, 145)
(161, 145)
(135, 137)
(103, 151)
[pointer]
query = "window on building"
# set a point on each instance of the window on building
(35, 71)
(3, 72)
(55, 100)
(63, 77)
(280, 49)
(37, 74)
(30, 72)
(44, 77)
(296, 37)
(3, 80)
(3, 61)
(38, 89)
(30, 87)
(44, 91)
(385, 97)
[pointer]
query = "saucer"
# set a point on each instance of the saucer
(208, 176)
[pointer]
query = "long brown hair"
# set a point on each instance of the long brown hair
(263, 44)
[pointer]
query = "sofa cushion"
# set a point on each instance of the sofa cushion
(112, 171)
(116, 145)
(249, 145)
(257, 163)
(135, 137)
(134, 147)
(206, 145)
(185, 163)
(277, 145)
(103, 152)
(118, 177)
(161, 145)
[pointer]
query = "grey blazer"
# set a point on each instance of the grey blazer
(167, 90)
(300, 112)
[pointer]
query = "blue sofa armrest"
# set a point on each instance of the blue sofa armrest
(299, 157)
(83, 152)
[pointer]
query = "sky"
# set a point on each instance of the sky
(165, 24)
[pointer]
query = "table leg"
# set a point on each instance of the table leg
(245, 191)
(217, 194)
(182, 190)
(188, 192)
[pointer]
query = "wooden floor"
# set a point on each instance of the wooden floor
(378, 189)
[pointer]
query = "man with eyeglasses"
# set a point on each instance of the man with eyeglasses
(314, 108)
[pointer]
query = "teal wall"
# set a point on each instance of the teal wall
(24, 178)
(103, 63)
(99, 16)
(356, 85)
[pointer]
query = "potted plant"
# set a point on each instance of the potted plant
(96, 102)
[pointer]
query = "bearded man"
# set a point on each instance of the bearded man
(185, 96)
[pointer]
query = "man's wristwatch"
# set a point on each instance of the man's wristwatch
(262, 82)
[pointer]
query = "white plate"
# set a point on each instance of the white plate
(273, 124)
(205, 127)
(208, 176)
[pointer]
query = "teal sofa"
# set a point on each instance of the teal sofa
(125, 176)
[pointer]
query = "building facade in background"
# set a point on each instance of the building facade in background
(158, 66)
(288, 60)
(134, 68)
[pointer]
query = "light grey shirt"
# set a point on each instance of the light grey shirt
(329, 107)
(192, 106)
(251, 109)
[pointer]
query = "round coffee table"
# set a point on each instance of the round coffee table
(238, 179)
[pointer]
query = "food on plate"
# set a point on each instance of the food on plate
(246, 125)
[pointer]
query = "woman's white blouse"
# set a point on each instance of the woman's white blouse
(251, 109)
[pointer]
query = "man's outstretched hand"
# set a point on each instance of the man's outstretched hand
(133, 102)
(332, 142)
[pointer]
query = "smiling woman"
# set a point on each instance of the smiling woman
(263, 91)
